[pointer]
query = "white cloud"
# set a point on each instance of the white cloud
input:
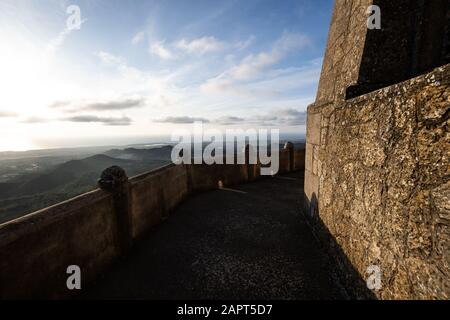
(229, 120)
(276, 117)
(34, 119)
(253, 65)
(138, 38)
(226, 85)
(181, 120)
(201, 46)
(7, 114)
(241, 45)
(109, 58)
(58, 41)
(159, 49)
(108, 121)
(99, 105)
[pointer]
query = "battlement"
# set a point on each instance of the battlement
(96, 228)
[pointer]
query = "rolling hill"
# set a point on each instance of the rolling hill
(31, 191)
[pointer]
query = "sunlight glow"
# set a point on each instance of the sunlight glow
(16, 144)
(24, 74)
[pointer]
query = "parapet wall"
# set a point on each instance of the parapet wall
(377, 185)
(36, 250)
(94, 229)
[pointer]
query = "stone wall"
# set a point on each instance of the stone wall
(96, 228)
(154, 195)
(346, 42)
(377, 185)
(36, 250)
(409, 43)
(376, 164)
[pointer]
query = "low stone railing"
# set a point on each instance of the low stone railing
(94, 229)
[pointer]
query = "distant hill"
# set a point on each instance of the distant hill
(58, 179)
(69, 172)
(160, 153)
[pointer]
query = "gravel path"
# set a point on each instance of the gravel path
(250, 243)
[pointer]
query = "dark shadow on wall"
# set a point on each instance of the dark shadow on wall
(413, 40)
(347, 275)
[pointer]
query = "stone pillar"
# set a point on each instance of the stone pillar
(289, 146)
(252, 168)
(115, 181)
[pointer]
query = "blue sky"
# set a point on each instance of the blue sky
(140, 68)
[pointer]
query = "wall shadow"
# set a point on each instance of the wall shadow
(347, 275)
(413, 40)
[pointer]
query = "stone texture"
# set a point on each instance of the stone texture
(313, 131)
(384, 184)
(377, 168)
(346, 42)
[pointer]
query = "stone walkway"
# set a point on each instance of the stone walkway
(251, 242)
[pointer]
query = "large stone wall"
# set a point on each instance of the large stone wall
(413, 40)
(377, 185)
(376, 164)
(94, 229)
(344, 49)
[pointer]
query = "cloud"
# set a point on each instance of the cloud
(31, 120)
(59, 104)
(201, 46)
(108, 58)
(229, 86)
(58, 41)
(262, 119)
(241, 45)
(181, 120)
(138, 38)
(112, 105)
(292, 116)
(228, 120)
(7, 114)
(252, 65)
(277, 117)
(159, 49)
(122, 121)
(280, 117)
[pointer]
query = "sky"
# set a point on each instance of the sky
(135, 69)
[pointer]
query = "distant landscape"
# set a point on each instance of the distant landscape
(33, 180)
